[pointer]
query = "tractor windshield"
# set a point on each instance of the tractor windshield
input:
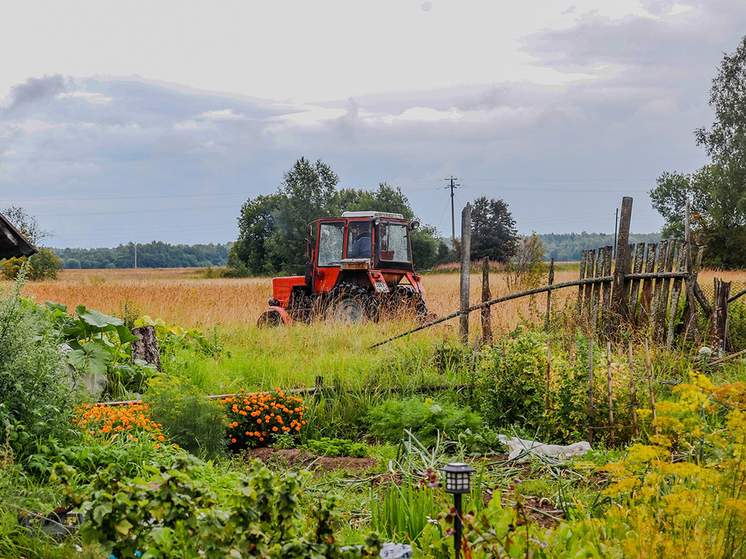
(359, 242)
(393, 242)
(331, 243)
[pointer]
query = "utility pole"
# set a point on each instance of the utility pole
(453, 217)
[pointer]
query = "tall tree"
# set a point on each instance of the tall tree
(717, 190)
(493, 231)
(272, 229)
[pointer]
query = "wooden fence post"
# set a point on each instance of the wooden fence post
(647, 285)
(465, 272)
(676, 295)
(583, 262)
(632, 398)
(548, 375)
(635, 289)
(649, 366)
(590, 392)
(549, 294)
(611, 391)
(486, 296)
(620, 291)
(720, 316)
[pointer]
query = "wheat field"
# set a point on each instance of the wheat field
(180, 297)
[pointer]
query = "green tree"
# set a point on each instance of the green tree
(273, 229)
(493, 232)
(717, 190)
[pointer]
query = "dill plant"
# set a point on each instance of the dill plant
(35, 387)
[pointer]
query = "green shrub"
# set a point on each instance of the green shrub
(337, 447)
(174, 511)
(190, 419)
(424, 419)
(35, 388)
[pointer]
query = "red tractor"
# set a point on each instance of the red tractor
(360, 268)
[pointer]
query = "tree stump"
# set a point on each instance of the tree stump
(146, 348)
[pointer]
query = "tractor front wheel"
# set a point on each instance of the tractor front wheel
(351, 303)
(347, 308)
(269, 319)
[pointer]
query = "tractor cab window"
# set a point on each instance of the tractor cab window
(393, 242)
(331, 243)
(359, 241)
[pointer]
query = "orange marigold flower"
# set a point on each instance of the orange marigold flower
(233, 439)
(274, 428)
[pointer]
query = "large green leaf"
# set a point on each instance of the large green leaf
(125, 335)
(100, 320)
(90, 358)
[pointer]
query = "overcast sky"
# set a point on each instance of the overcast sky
(141, 121)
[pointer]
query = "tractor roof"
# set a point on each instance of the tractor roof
(389, 215)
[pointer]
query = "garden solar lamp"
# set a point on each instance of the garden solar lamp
(458, 482)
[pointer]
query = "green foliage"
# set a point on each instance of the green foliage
(527, 267)
(402, 512)
(35, 388)
(493, 232)
(273, 229)
(189, 419)
(424, 419)
(326, 446)
(717, 190)
(171, 511)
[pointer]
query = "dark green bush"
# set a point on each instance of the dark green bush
(187, 416)
(424, 419)
(337, 447)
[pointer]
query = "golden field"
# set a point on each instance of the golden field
(180, 296)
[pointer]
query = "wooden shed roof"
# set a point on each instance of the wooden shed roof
(12, 243)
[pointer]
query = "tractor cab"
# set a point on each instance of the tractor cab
(369, 249)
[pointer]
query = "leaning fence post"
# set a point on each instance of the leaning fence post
(633, 400)
(620, 291)
(649, 366)
(465, 272)
(611, 391)
(549, 294)
(548, 375)
(486, 296)
(590, 391)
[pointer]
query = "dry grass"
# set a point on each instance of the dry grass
(175, 296)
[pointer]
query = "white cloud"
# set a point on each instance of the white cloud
(224, 114)
(194, 125)
(89, 96)
(425, 114)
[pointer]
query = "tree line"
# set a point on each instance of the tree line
(155, 254)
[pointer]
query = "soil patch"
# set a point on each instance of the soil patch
(294, 458)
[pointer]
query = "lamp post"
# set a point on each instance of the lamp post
(458, 482)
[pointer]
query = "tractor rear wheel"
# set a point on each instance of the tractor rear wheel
(406, 301)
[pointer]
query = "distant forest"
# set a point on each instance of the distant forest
(151, 255)
(561, 247)
(567, 246)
